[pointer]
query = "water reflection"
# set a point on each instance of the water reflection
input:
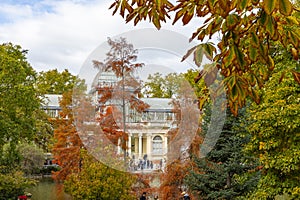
(47, 189)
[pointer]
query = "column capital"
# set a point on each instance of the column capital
(149, 134)
(140, 134)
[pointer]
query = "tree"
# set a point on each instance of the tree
(226, 172)
(44, 131)
(246, 30)
(173, 180)
(18, 102)
(275, 131)
(13, 184)
(183, 141)
(122, 93)
(98, 181)
(162, 87)
(51, 82)
(54, 82)
(67, 143)
(18, 105)
(32, 158)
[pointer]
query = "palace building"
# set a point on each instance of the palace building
(147, 144)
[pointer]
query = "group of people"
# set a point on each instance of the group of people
(184, 196)
(141, 164)
(145, 163)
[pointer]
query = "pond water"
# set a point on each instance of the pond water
(47, 189)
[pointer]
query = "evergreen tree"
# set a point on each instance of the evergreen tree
(222, 174)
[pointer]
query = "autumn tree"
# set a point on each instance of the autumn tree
(67, 143)
(121, 94)
(183, 140)
(173, 180)
(51, 82)
(246, 30)
(275, 131)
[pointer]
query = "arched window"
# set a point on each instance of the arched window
(157, 145)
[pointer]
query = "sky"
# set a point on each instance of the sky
(63, 34)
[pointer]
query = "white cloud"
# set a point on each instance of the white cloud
(62, 34)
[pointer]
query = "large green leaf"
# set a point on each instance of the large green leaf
(253, 53)
(263, 18)
(232, 20)
(254, 39)
(242, 4)
(241, 91)
(269, 6)
(240, 56)
(209, 50)
(234, 93)
(269, 25)
(285, 7)
(189, 52)
(198, 55)
(294, 39)
(252, 80)
(229, 56)
(231, 81)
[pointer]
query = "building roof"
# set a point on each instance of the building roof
(158, 104)
(52, 100)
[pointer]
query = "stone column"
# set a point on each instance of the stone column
(136, 146)
(149, 146)
(119, 146)
(129, 144)
(140, 145)
(165, 145)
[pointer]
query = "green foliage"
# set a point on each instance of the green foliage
(170, 85)
(13, 184)
(226, 172)
(18, 101)
(54, 82)
(32, 158)
(98, 181)
(276, 133)
(160, 86)
(44, 131)
(246, 29)
(199, 86)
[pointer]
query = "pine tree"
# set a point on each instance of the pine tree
(222, 174)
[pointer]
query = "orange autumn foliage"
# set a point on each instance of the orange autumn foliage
(66, 149)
